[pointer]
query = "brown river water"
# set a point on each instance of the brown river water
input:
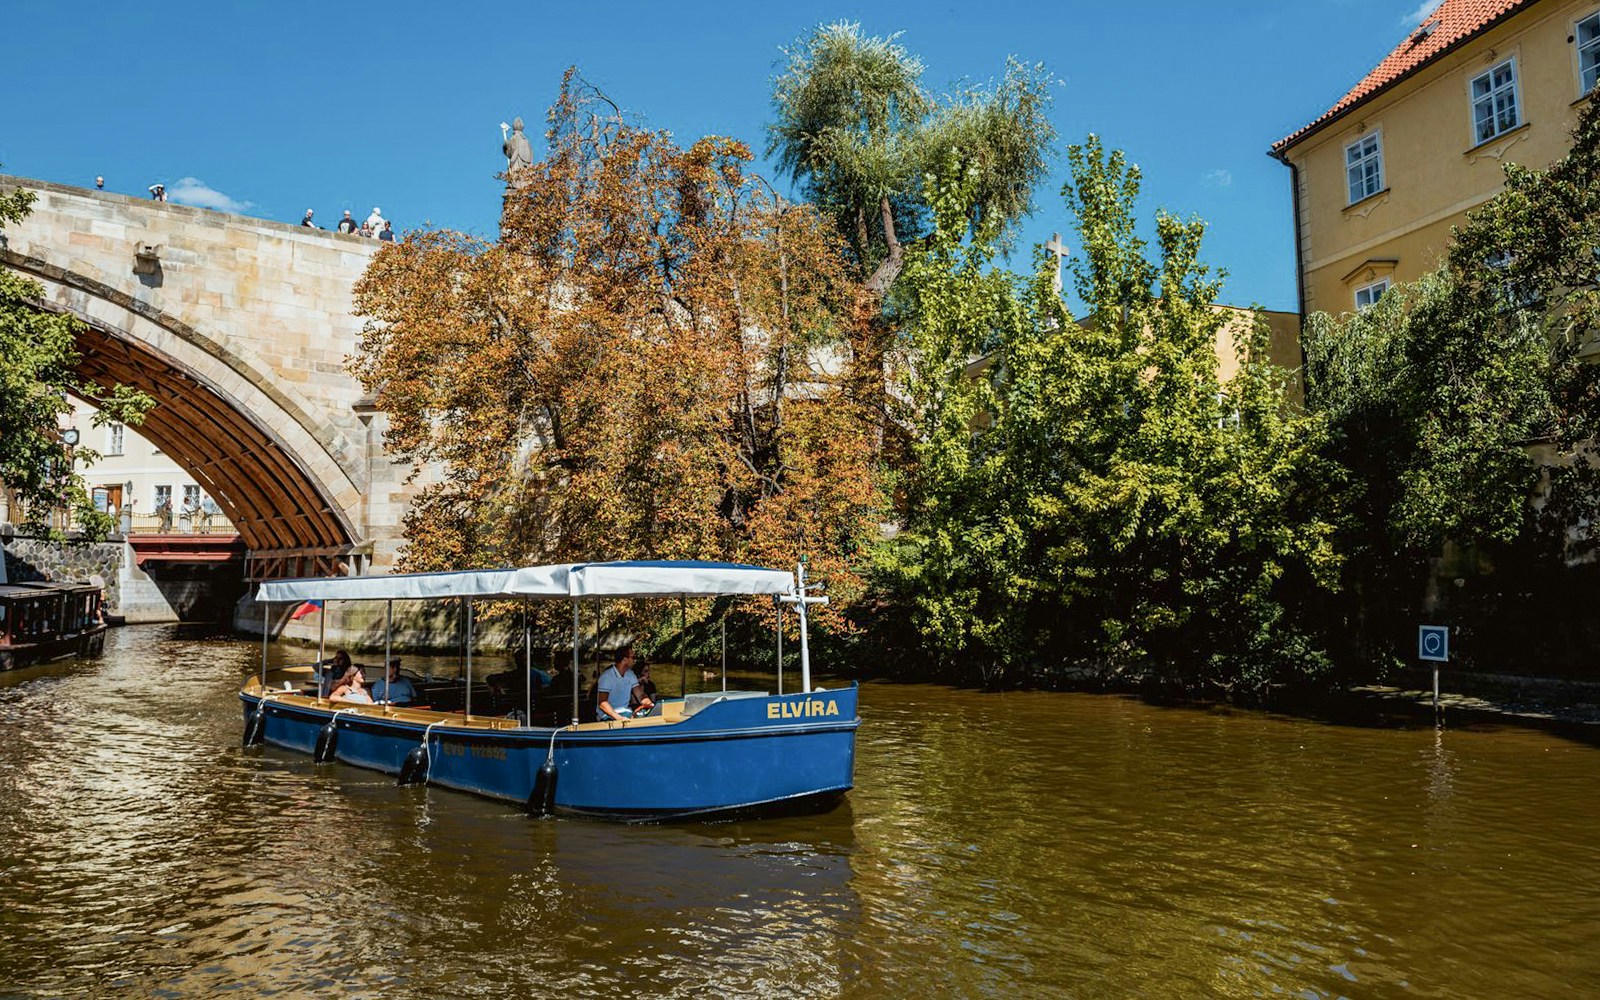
(1020, 844)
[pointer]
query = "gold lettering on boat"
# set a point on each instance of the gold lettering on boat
(802, 709)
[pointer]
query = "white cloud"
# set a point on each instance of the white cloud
(1419, 15)
(1218, 178)
(192, 191)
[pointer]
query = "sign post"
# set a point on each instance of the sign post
(1433, 645)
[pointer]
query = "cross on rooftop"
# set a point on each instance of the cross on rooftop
(1058, 248)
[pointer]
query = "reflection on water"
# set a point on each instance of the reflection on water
(995, 845)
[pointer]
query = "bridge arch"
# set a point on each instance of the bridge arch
(239, 328)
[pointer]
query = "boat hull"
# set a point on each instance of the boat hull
(748, 755)
(88, 643)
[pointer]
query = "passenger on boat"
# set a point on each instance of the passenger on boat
(392, 688)
(643, 691)
(352, 688)
(330, 671)
(616, 689)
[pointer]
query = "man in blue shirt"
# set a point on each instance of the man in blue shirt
(393, 688)
(616, 688)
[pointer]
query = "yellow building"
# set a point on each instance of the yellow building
(1380, 178)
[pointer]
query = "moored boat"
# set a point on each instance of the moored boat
(701, 756)
(41, 622)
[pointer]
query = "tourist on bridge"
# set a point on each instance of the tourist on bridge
(386, 234)
(375, 220)
(347, 225)
(158, 192)
(99, 183)
(307, 221)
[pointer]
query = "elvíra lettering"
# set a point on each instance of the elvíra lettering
(802, 709)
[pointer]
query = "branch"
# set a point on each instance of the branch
(889, 270)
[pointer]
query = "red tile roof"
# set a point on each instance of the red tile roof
(1452, 23)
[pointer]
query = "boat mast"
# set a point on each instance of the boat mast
(801, 600)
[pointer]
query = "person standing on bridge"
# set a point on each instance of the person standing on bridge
(386, 234)
(158, 192)
(347, 224)
(307, 221)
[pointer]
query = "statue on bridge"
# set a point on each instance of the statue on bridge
(519, 153)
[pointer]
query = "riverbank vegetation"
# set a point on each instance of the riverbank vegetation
(662, 357)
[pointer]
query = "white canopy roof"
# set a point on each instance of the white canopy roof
(614, 579)
(655, 579)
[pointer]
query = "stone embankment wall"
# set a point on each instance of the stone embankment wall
(38, 559)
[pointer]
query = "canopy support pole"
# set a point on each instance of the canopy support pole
(527, 660)
(322, 649)
(805, 647)
(576, 625)
(683, 659)
(724, 652)
(466, 625)
(388, 647)
(264, 630)
(780, 648)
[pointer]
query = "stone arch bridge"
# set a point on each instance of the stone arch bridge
(240, 329)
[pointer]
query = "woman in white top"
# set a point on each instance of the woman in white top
(351, 687)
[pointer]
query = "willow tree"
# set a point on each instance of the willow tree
(641, 366)
(857, 128)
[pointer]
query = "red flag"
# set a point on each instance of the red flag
(309, 607)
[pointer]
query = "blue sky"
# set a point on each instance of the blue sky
(273, 108)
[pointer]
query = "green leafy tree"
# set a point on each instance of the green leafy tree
(1092, 496)
(37, 359)
(856, 126)
(1456, 400)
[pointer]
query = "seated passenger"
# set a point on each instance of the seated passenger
(330, 671)
(352, 688)
(392, 688)
(643, 691)
(615, 690)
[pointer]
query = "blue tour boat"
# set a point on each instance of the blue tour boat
(708, 755)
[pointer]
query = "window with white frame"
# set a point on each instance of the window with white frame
(1588, 38)
(1494, 101)
(1363, 161)
(114, 439)
(1367, 296)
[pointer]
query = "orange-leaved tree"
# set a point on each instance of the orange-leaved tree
(646, 364)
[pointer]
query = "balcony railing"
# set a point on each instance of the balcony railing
(141, 524)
